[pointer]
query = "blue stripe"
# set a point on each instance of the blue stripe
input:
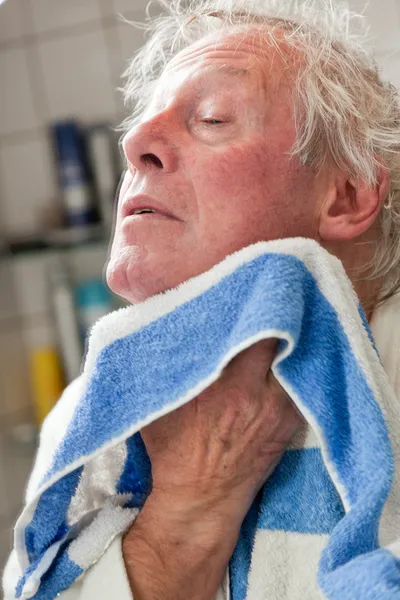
(300, 496)
(372, 576)
(60, 576)
(136, 476)
(49, 522)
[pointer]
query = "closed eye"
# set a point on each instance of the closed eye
(213, 121)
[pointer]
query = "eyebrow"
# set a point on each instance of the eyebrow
(225, 69)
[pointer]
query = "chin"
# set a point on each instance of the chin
(137, 273)
(131, 275)
(128, 285)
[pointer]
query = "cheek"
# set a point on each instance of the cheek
(259, 187)
(247, 179)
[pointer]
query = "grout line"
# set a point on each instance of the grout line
(28, 21)
(37, 84)
(113, 46)
(18, 137)
(27, 39)
(22, 136)
(77, 29)
(20, 321)
(35, 71)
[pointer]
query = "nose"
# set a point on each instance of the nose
(148, 147)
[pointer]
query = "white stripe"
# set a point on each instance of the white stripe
(97, 483)
(284, 566)
(111, 520)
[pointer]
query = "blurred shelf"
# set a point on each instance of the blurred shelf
(62, 240)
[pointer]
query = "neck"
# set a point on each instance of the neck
(368, 293)
(354, 255)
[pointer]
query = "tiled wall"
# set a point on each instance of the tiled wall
(58, 58)
(61, 58)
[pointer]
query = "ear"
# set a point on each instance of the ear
(351, 207)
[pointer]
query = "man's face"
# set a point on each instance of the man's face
(211, 157)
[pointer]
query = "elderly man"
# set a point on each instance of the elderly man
(249, 125)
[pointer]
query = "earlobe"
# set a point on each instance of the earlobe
(351, 207)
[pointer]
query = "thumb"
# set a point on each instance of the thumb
(257, 359)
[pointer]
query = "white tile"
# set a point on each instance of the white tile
(16, 105)
(383, 18)
(130, 7)
(77, 77)
(10, 21)
(27, 184)
(31, 284)
(14, 374)
(391, 67)
(111, 34)
(48, 15)
(131, 39)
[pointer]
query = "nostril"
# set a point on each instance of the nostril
(152, 159)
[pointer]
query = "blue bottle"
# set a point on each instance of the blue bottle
(74, 174)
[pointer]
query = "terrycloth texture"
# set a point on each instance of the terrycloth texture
(332, 505)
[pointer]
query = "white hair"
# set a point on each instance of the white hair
(343, 109)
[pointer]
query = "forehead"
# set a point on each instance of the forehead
(251, 49)
(248, 58)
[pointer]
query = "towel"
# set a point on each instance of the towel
(327, 522)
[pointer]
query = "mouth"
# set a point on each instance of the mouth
(143, 211)
(144, 206)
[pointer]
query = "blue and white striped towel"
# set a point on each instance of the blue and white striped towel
(326, 524)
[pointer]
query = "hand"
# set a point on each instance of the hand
(209, 459)
(223, 444)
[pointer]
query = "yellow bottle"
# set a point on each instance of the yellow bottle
(47, 380)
